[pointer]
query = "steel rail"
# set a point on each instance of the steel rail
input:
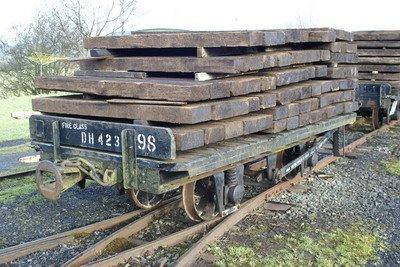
(11, 253)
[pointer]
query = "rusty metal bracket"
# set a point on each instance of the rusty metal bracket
(129, 163)
(285, 170)
(108, 178)
(56, 141)
(335, 143)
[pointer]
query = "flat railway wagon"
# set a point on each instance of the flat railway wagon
(379, 101)
(195, 113)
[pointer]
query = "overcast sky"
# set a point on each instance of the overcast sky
(230, 14)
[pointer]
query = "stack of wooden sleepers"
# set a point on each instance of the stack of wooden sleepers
(379, 56)
(211, 86)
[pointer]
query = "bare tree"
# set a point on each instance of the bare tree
(89, 19)
(55, 35)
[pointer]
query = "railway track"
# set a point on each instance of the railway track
(141, 219)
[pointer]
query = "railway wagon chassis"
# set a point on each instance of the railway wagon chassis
(379, 101)
(142, 160)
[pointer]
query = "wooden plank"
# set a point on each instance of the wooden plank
(330, 112)
(293, 123)
(111, 74)
(267, 100)
(193, 136)
(350, 106)
(233, 128)
(379, 52)
(316, 116)
(231, 64)
(305, 105)
(342, 72)
(189, 137)
(256, 122)
(227, 51)
(328, 35)
(277, 126)
(343, 35)
(378, 68)
(329, 98)
(344, 58)
(158, 88)
(180, 39)
(215, 38)
(379, 76)
(304, 119)
(189, 114)
(377, 35)
(379, 60)
(339, 108)
(348, 84)
(244, 85)
(324, 35)
(348, 95)
(340, 47)
(278, 207)
(302, 90)
(278, 112)
(148, 102)
(296, 35)
(235, 106)
(314, 103)
(377, 44)
(336, 97)
(288, 94)
(293, 109)
(297, 74)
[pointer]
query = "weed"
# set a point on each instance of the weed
(14, 187)
(15, 149)
(351, 246)
(117, 245)
(81, 235)
(393, 166)
(235, 256)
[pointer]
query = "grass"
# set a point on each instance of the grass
(11, 128)
(15, 149)
(351, 246)
(393, 166)
(14, 187)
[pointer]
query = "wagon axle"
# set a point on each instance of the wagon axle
(54, 178)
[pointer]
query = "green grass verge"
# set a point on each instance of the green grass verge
(11, 188)
(15, 149)
(11, 128)
(351, 246)
(393, 166)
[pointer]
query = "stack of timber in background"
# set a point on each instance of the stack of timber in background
(379, 57)
(210, 86)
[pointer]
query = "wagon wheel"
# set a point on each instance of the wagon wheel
(145, 200)
(198, 199)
